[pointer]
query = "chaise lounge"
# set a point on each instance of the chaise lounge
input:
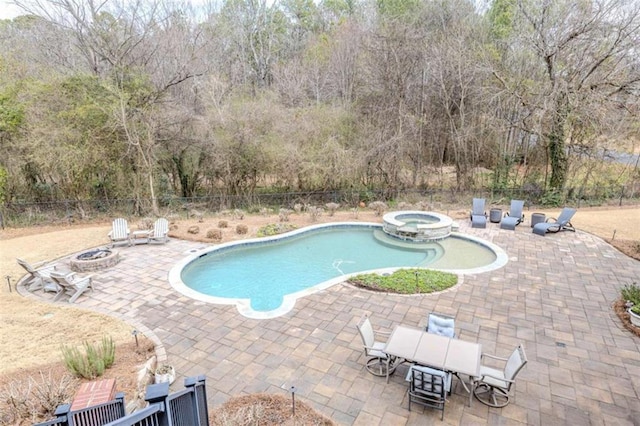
(514, 217)
(478, 214)
(562, 223)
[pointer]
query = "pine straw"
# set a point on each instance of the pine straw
(265, 410)
(622, 313)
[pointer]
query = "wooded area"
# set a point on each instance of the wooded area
(147, 99)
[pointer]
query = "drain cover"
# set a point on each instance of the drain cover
(561, 345)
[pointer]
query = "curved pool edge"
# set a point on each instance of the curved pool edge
(243, 305)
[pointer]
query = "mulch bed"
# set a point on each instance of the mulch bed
(621, 311)
(266, 410)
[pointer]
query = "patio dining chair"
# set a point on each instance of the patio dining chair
(442, 325)
(429, 387)
(493, 386)
(376, 362)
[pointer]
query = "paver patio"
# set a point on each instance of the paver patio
(555, 295)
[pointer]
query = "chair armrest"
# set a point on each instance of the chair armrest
(502, 379)
(36, 265)
(493, 357)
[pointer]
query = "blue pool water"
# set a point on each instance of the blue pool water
(266, 271)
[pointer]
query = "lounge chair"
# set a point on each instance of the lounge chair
(119, 233)
(39, 276)
(376, 362)
(428, 387)
(478, 214)
(71, 285)
(562, 223)
(514, 216)
(160, 232)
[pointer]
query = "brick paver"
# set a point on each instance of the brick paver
(554, 295)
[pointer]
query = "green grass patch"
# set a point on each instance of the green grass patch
(275, 229)
(407, 281)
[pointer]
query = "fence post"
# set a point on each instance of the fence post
(157, 394)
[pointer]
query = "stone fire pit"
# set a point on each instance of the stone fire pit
(94, 260)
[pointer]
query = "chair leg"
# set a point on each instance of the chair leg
(491, 396)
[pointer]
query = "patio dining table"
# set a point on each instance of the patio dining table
(454, 355)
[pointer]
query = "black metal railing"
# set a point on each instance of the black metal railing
(184, 408)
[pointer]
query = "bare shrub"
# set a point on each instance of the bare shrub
(284, 215)
(378, 207)
(145, 223)
(405, 206)
(422, 205)
(214, 234)
(265, 211)
(238, 214)
(223, 224)
(314, 212)
(332, 207)
(193, 229)
(35, 399)
(242, 229)
(196, 215)
(298, 208)
(355, 212)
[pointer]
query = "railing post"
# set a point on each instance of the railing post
(199, 407)
(157, 394)
(120, 398)
(63, 412)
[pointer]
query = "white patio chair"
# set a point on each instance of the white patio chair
(376, 362)
(71, 285)
(493, 386)
(119, 233)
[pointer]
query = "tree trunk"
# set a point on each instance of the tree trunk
(557, 149)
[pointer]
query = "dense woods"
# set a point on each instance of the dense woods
(149, 99)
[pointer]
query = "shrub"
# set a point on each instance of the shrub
(314, 213)
(242, 229)
(631, 292)
(284, 215)
(93, 361)
(275, 229)
(332, 207)
(34, 400)
(378, 207)
(407, 281)
(223, 224)
(238, 214)
(214, 234)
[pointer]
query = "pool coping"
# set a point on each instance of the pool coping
(243, 305)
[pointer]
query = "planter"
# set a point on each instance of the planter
(635, 318)
(165, 374)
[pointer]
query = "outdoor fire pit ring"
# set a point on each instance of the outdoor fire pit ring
(94, 260)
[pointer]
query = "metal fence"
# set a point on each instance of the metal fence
(184, 408)
(16, 214)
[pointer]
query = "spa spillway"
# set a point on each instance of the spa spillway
(417, 225)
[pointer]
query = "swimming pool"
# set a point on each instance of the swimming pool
(264, 277)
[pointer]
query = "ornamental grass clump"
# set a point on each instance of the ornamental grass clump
(407, 281)
(93, 362)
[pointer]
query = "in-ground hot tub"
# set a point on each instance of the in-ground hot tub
(417, 225)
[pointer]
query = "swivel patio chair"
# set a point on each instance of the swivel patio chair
(478, 214)
(442, 325)
(562, 223)
(428, 387)
(493, 386)
(514, 217)
(376, 362)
